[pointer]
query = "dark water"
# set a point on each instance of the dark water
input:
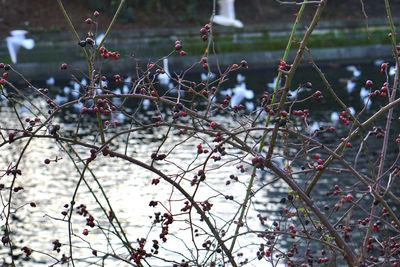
(129, 187)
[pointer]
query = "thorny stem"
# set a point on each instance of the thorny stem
(187, 196)
(75, 33)
(349, 255)
(261, 146)
(386, 135)
(121, 4)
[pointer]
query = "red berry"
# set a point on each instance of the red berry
(106, 123)
(116, 56)
(64, 66)
(182, 53)
(33, 204)
(5, 75)
(96, 14)
(116, 123)
(88, 21)
(1, 65)
(204, 37)
(309, 85)
(349, 197)
(207, 26)
(235, 66)
(3, 82)
(85, 232)
(316, 156)
(213, 124)
(47, 161)
(384, 67)
(320, 167)
(184, 114)
(153, 93)
(205, 66)
(349, 145)
(203, 31)
(11, 136)
(204, 59)
(178, 46)
(369, 83)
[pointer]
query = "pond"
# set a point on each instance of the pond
(130, 190)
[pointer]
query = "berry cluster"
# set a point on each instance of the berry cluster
(107, 54)
(205, 31)
(345, 117)
(318, 96)
(283, 66)
(382, 92)
(178, 47)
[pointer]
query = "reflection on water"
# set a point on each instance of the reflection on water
(130, 190)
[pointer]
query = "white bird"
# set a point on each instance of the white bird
(207, 76)
(356, 72)
(50, 81)
(99, 38)
(121, 117)
(272, 84)
(334, 117)
(116, 100)
(61, 99)
(240, 78)
(314, 127)
(67, 90)
(226, 14)
(164, 78)
(5, 93)
(249, 106)
(226, 92)
(352, 111)
(127, 85)
(146, 104)
(294, 93)
(76, 85)
(350, 85)
(15, 41)
(364, 95)
(392, 70)
(84, 82)
(378, 62)
(78, 106)
(240, 92)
